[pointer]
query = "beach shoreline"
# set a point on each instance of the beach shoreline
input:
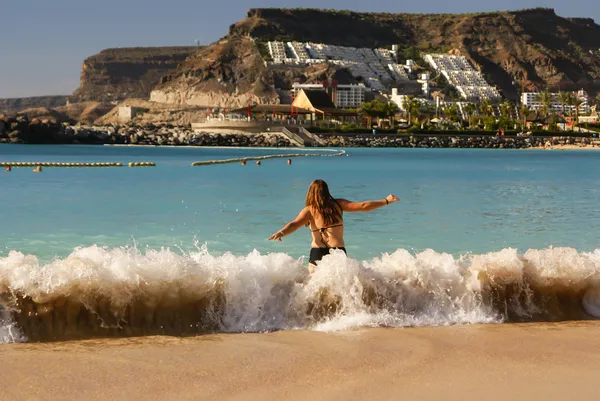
(565, 147)
(549, 361)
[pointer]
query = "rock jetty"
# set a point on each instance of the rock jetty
(20, 130)
(36, 131)
(456, 141)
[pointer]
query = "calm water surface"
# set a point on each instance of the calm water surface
(453, 200)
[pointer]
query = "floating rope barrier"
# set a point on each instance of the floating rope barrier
(141, 164)
(60, 164)
(289, 155)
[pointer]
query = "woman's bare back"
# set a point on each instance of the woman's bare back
(323, 235)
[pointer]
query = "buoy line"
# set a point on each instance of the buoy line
(60, 164)
(141, 164)
(289, 155)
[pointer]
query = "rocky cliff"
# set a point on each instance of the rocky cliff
(538, 45)
(15, 105)
(229, 73)
(117, 74)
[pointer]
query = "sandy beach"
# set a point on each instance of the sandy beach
(564, 147)
(492, 362)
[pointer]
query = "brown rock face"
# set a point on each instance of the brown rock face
(117, 74)
(15, 105)
(543, 48)
(285, 75)
(228, 73)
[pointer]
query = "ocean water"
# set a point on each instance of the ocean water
(478, 236)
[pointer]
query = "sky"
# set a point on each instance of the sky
(43, 43)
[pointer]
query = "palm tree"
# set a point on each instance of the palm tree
(416, 109)
(525, 110)
(506, 109)
(451, 112)
(468, 110)
(571, 104)
(486, 108)
(437, 95)
(577, 102)
(367, 109)
(545, 98)
(390, 110)
(563, 98)
(406, 104)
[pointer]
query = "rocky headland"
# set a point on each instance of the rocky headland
(15, 105)
(535, 47)
(117, 74)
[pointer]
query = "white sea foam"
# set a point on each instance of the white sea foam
(124, 291)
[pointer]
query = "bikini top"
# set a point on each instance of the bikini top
(323, 230)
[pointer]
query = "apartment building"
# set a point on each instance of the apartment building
(459, 73)
(343, 96)
(531, 100)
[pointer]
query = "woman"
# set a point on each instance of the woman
(323, 214)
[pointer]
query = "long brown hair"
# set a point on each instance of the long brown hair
(319, 198)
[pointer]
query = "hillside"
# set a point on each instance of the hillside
(537, 44)
(117, 74)
(229, 73)
(14, 105)
(544, 49)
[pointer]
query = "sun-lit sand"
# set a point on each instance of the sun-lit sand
(565, 147)
(479, 362)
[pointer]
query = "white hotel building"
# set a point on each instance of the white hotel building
(344, 96)
(529, 99)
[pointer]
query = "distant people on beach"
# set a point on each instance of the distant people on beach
(323, 215)
(38, 169)
(8, 168)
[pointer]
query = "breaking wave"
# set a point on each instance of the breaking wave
(102, 292)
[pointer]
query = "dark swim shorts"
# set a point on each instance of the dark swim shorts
(317, 254)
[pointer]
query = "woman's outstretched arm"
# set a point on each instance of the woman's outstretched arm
(366, 206)
(301, 220)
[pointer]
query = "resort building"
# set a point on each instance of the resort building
(532, 101)
(277, 51)
(399, 99)
(375, 67)
(459, 73)
(342, 96)
(320, 104)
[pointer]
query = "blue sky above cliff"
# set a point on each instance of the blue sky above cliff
(43, 43)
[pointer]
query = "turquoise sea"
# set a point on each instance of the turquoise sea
(500, 211)
(453, 200)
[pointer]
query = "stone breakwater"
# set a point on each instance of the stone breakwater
(445, 141)
(19, 130)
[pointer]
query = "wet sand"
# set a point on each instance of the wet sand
(478, 362)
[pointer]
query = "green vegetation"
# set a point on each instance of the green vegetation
(374, 14)
(419, 116)
(592, 127)
(380, 110)
(263, 49)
